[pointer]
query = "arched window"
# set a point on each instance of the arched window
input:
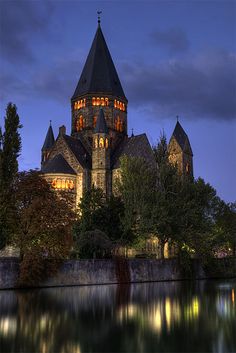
(106, 143)
(101, 142)
(80, 123)
(96, 142)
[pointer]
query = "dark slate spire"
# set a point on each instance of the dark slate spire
(99, 73)
(101, 125)
(182, 138)
(49, 140)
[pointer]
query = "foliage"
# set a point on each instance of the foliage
(94, 244)
(101, 213)
(10, 147)
(164, 215)
(44, 221)
(135, 185)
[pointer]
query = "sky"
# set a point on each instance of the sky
(172, 57)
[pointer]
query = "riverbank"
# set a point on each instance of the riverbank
(89, 272)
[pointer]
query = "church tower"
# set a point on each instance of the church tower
(180, 151)
(99, 87)
(47, 146)
(101, 173)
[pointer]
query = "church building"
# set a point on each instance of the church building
(90, 154)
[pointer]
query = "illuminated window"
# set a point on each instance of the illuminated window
(100, 101)
(101, 142)
(118, 124)
(63, 184)
(80, 123)
(80, 104)
(187, 168)
(96, 143)
(106, 143)
(119, 105)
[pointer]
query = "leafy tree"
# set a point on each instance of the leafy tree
(165, 208)
(44, 222)
(136, 184)
(225, 227)
(10, 147)
(101, 213)
(94, 244)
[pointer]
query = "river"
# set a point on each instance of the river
(187, 316)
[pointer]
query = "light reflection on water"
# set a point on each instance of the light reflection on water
(151, 317)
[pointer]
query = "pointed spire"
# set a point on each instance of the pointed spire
(99, 74)
(49, 140)
(181, 137)
(101, 125)
(132, 134)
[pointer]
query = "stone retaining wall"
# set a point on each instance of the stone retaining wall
(87, 272)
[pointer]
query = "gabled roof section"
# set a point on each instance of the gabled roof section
(182, 138)
(99, 73)
(58, 165)
(49, 140)
(101, 125)
(134, 146)
(79, 151)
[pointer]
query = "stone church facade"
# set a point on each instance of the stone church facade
(90, 154)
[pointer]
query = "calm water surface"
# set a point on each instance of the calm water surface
(153, 317)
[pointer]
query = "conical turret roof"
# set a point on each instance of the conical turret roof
(182, 138)
(49, 140)
(101, 125)
(99, 74)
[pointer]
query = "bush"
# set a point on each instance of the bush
(94, 244)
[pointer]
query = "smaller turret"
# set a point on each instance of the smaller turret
(47, 146)
(101, 175)
(180, 151)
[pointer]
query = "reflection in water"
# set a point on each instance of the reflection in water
(165, 317)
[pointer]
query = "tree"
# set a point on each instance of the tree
(164, 213)
(135, 185)
(94, 244)
(225, 226)
(10, 147)
(100, 213)
(44, 222)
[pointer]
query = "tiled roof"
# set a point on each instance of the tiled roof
(79, 151)
(99, 74)
(101, 125)
(49, 140)
(58, 165)
(134, 146)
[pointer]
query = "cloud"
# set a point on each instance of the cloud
(56, 82)
(174, 39)
(20, 21)
(197, 87)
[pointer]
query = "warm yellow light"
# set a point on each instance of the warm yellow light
(96, 101)
(119, 105)
(64, 184)
(80, 104)
(233, 295)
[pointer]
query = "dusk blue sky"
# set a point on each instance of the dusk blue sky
(172, 57)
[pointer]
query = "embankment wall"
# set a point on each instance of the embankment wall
(88, 272)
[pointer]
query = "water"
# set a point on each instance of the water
(153, 317)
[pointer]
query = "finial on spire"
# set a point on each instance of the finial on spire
(177, 117)
(99, 17)
(132, 135)
(50, 122)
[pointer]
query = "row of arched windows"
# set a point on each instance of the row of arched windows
(100, 101)
(80, 123)
(100, 142)
(119, 105)
(80, 104)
